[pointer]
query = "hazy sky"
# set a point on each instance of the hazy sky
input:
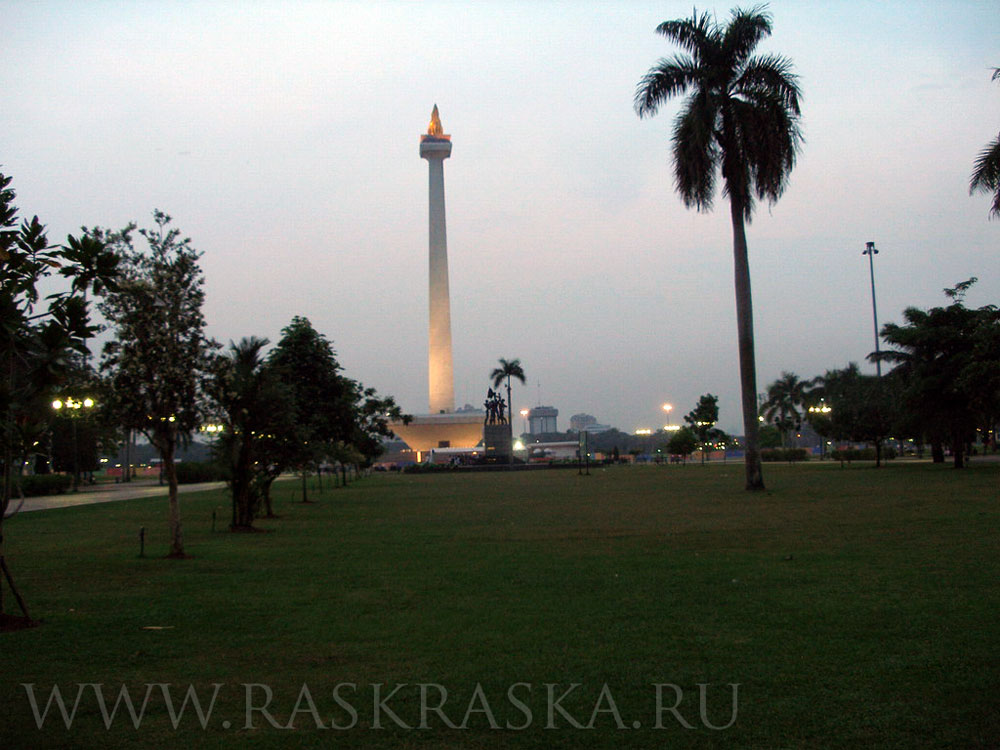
(283, 139)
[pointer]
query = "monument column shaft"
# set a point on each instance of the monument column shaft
(439, 365)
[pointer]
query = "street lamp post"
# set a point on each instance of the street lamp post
(73, 406)
(823, 410)
(524, 421)
(871, 252)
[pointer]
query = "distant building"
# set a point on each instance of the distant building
(595, 428)
(579, 422)
(542, 419)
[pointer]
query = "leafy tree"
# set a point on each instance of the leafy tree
(38, 338)
(986, 172)
(769, 436)
(938, 354)
(372, 417)
(682, 442)
(322, 400)
(159, 357)
(255, 407)
(329, 416)
(701, 421)
(741, 118)
(862, 407)
(785, 404)
(506, 371)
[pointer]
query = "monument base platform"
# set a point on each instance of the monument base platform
(429, 431)
(497, 443)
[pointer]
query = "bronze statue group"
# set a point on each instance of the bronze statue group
(495, 408)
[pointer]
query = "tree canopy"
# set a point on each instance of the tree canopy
(159, 356)
(986, 170)
(39, 336)
(786, 403)
(946, 360)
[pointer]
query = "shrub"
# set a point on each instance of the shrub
(193, 472)
(35, 485)
(784, 454)
(862, 454)
(426, 468)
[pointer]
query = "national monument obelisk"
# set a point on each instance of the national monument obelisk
(442, 426)
(435, 147)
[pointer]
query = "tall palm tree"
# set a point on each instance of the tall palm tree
(506, 371)
(786, 400)
(986, 174)
(741, 117)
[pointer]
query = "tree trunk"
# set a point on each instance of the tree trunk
(958, 451)
(266, 489)
(13, 588)
(748, 367)
(937, 451)
(242, 490)
(168, 447)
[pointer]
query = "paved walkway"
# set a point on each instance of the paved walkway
(108, 493)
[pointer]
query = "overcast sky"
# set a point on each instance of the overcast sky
(283, 139)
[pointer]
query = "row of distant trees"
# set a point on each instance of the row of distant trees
(943, 388)
(159, 374)
(291, 409)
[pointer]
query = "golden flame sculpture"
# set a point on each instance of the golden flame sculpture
(435, 128)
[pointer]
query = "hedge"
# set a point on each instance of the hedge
(193, 472)
(861, 454)
(35, 485)
(784, 454)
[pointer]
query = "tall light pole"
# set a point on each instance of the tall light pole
(871, 252)
(821, 410)
(73, 405)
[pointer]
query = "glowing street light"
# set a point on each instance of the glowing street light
(72, 406)
(524, 418)
(821, 410)
(670, 427)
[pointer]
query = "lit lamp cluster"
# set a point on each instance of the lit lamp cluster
(822, 410)
(670, 427)
(72, 403)
(73, 406)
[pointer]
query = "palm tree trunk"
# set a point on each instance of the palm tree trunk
(510, 424)
(748, 367)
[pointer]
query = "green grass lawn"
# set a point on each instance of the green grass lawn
(853, 608)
